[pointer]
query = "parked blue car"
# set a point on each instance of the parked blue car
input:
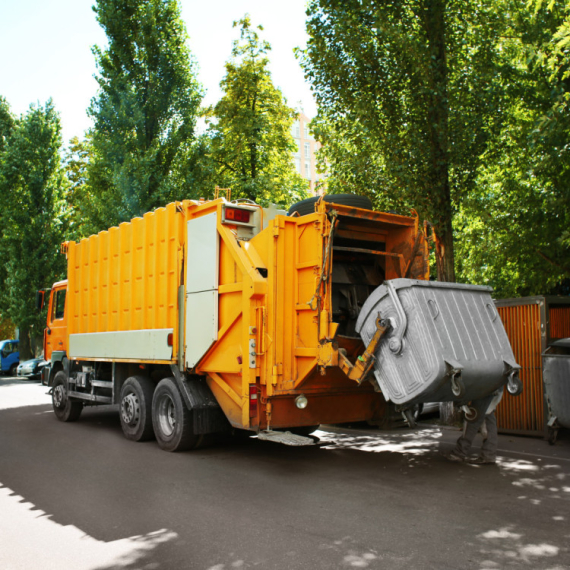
(9, 356)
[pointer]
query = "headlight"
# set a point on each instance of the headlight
(301, 402)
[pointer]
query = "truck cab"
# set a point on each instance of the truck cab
(9, 356)
(55, 334)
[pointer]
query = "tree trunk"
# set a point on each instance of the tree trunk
(444, 256)
(438, 127)
(24, 346)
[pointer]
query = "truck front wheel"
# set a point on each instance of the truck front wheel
(136, 408)
(171, 419)
(65, 410)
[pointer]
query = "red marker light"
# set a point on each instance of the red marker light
(238, 215)
(170, 339)
(252, 400)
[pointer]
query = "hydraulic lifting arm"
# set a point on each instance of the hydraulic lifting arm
(365, 361)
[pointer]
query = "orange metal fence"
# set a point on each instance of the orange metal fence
(531, 323)
(524, 412)
(559, 322)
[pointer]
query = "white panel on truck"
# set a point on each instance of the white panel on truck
(202, 255)
(202, 262)
(201, 325)
(147, 344)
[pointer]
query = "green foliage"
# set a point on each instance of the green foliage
(32, 214)
(79, 199)
(6, 122)
(250, 127)
(400, 114)
(145, 112)
(408, 99)
(513, 229)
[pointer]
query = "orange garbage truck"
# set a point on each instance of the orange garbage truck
(204, 317)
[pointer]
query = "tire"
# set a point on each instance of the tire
(514, 386)
(65, 410)
(416, 411)
(471, 414)
(172, 420)
(14, 370)
(307, 206)
(135, 409)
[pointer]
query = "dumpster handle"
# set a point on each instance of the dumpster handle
(395, 342)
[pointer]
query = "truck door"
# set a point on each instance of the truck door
(56, 333)
(10, 356)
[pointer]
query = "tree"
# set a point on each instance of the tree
(145, 111)
(512, 228)
(6, 122)
(32, 214)
(79, 199)
(409, 94)
(250, 127)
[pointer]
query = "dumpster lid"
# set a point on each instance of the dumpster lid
(562, 343)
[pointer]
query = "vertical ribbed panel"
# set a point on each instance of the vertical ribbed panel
(127, 278)
(559, 322)
(524, 413)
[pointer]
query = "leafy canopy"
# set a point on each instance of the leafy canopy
(513, 229)
(32, 215)
(408, 99)
(250, 127)
(145, 112)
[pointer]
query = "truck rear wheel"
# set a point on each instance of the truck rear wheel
(136, 408)
(65, 410)
(172, 420)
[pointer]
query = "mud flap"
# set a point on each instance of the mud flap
(207, 416)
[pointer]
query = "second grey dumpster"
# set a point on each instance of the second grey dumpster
(556, 376)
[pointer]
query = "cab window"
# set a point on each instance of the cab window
(59, 304)
(7, 349)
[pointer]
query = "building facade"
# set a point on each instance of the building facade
(305, 157)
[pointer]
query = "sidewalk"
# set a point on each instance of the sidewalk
(512, 446)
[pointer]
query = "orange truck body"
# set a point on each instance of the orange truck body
(258, 309)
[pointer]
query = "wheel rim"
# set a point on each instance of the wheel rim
(58, 396)
(456, 386)
(130, 409)
(166, 415)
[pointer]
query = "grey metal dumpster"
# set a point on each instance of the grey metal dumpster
(556, 377)
(446, 343)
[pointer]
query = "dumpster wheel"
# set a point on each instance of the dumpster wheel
(457, 386)
(514, 385)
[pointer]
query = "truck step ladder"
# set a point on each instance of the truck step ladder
(285, 437)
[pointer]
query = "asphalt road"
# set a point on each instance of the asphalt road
(80, 496)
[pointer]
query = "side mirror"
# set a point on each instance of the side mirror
(40, 299)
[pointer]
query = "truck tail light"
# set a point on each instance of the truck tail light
(238, 215)
(170, 339)
(252, 400)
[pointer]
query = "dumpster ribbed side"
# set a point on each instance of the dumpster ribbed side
(559, 322)
(524, 413)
